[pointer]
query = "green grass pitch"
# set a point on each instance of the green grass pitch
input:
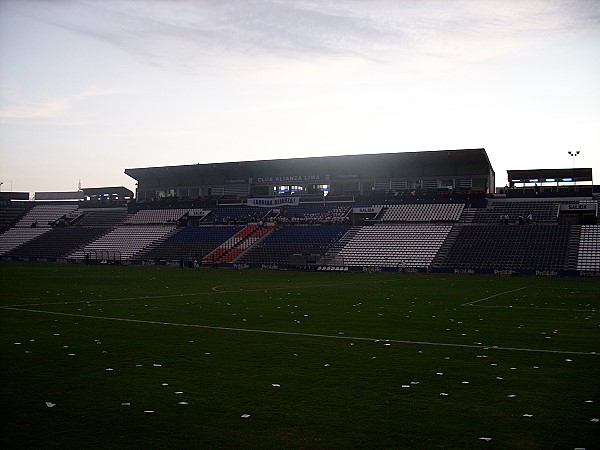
(116, 356)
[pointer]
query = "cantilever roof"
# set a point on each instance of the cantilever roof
(442, 163)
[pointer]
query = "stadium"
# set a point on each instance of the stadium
(424, 211)
(395, 300)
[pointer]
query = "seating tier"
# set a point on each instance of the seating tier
(588, 257)
(412, 245)
(529, 247)
(126, 240)
(279, 245)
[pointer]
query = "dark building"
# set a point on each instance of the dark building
(464, 170)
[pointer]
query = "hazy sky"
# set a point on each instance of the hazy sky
(90, 88)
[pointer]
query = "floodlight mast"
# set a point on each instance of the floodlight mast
(8, 181)
(573, 155)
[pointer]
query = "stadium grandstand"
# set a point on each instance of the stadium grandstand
(399, 212)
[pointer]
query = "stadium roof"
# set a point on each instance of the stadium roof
(442, 163)
(120, 191)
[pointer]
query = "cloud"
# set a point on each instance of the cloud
(100, 92)
(22, 109)
(51, 108)
(196, 35)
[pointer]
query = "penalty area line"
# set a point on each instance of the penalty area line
(493, 296)
(299, 334)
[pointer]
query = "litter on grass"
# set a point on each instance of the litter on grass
(245, 416)
(50, 404)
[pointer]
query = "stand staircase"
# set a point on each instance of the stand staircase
(233, 247)
(573, 248)
(446, 246)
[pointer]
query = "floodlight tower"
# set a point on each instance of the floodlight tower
(7, 181)
(573, 155)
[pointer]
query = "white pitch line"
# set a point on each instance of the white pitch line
(493, 296)
(214, 290)
(314, 335)
(535, 308)
(74, 302)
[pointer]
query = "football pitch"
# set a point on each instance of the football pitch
(123, 356)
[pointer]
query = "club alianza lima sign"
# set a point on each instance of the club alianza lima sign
(270, 202)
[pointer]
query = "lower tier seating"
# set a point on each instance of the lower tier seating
(127, 241)
(190, 243)
(18, 236)
(514, 247)
(279, 245)
(588, 257)
(395, 245)
(57, 243)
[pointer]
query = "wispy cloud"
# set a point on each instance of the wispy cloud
(23, 109)
(51, 108)
(100, 92)
(192, 35)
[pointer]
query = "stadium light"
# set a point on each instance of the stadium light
(573, 155)
(2, 183)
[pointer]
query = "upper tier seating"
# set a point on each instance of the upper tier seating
(191, 242)
(312, 213)
(528, 247)
(588, 257)
(126, 240)
(281, 243)
(102, 217)
(43, 215)
(395, 245)
(423, 212)
(542, 211)
(157, 216)
(241, 214)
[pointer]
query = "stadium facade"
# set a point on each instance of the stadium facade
(397, 212)
(451, 170)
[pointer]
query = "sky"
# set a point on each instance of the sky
(91, 88)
